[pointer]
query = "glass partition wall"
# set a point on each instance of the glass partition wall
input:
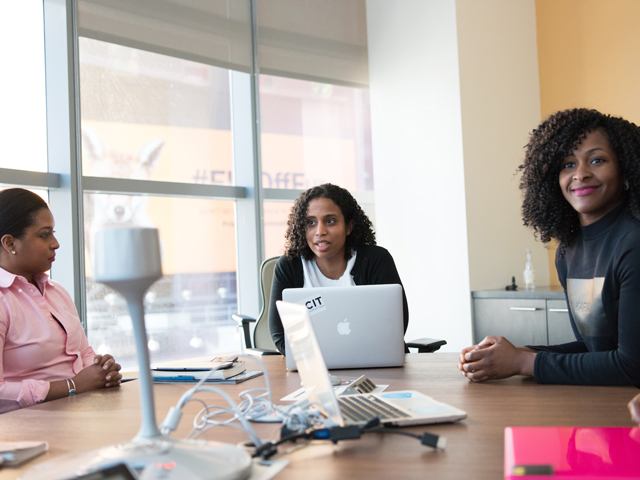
(202, 119)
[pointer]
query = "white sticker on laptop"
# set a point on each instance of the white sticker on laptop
(314, 304)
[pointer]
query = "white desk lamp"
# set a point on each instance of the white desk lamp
(128, 260)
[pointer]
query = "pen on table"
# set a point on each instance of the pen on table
(176, 379)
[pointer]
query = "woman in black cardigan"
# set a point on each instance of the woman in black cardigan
(329, 242)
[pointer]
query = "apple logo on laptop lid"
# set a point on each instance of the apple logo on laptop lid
(343, 327)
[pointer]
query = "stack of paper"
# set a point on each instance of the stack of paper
(227, 372)
(15, 453)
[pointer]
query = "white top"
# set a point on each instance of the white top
(314, 278)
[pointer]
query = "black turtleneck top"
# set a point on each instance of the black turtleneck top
(600, 274)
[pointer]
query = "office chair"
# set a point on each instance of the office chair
(262, 343)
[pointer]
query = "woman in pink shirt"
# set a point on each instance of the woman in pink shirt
(45, 352)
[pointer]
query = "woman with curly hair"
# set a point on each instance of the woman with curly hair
(329, 243)
(581, 184)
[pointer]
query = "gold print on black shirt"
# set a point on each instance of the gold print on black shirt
(585, 301)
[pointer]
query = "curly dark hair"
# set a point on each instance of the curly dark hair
(296, 237)
(544, 207)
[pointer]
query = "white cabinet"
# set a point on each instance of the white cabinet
(558, 325)
(523, 322)
(524, 318)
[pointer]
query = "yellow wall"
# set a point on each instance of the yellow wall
(500, 104)
(588, 56)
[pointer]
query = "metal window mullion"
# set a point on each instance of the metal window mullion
(248, 210)
(63, 114)
(245, 118)
(281, 194)
(124, 186)
(284, 194)
(25, 178)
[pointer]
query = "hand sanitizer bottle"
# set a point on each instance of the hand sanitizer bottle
(528, 274)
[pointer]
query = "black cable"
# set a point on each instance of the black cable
(268, 449)
(349, 432)
(392, 430)
(428, 439)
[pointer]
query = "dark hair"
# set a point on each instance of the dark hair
(544, 207)
(296, 237)
(18, 208)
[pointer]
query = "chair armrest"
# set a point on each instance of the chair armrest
(426, 345)
(244, 321)
(261, 351)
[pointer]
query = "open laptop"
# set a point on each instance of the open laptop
(356, 327)
(406, 407)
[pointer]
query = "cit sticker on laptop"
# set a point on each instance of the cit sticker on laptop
(314, 304)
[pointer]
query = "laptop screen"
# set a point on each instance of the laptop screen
(309, 361)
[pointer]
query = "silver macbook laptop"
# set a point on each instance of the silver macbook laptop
(356, 327)
(406, 407)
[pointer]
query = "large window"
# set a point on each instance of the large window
(311, 133)
(155, 123)
(315, 122)
(314, 133)
(188, 311)
(276, 215)
(151, 117)
(147, 116)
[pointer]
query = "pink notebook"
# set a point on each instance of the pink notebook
(540, 453)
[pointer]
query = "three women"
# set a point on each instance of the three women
(580, 181)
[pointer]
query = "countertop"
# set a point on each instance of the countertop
(542, 293)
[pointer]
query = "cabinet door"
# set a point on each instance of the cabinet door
(558, 323)
(522, 322)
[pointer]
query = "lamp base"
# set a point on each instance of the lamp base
(161, 458)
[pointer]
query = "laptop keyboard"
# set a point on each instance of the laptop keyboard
(362, 408)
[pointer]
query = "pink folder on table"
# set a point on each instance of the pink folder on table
(541, 453)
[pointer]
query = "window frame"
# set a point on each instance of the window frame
(66, 184)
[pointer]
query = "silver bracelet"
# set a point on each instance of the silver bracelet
(72, 389)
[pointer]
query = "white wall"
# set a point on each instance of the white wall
(454, 95)
(418, 162)
(500, 98)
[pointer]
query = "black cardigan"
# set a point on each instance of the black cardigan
(374, 266)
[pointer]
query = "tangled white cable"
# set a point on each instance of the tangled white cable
(297, 418)
(301, 416)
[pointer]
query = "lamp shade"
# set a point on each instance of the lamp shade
(127, 255)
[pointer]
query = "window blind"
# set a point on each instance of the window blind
(318, 40)
(214, 32)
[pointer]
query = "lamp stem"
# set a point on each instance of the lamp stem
(148, 428)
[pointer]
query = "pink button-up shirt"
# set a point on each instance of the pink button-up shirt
(36, 347)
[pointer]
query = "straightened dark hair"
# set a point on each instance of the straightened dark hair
(18, 209)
